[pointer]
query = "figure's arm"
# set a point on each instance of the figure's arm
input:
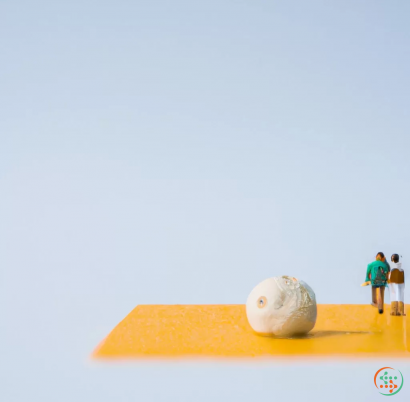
(387, 271)
(368, 274)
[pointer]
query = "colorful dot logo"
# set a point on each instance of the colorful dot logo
(388, 381)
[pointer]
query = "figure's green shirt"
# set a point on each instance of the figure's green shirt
(377, 273)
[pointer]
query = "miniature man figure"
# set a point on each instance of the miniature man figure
(376, 275)
(396, 283)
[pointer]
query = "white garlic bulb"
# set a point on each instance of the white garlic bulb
(281, 306)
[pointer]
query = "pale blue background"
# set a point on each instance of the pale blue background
(181, 152)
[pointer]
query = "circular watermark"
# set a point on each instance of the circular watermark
(388, 381)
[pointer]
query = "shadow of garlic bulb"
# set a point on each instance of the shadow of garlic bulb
(281, 306)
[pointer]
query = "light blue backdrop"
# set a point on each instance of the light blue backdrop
(181, 152)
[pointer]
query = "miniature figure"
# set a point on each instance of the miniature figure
(376, 275)
(396, 284)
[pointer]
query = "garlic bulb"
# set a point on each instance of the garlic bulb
(281, 306)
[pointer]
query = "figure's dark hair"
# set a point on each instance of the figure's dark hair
(381, 254)
(395, 258)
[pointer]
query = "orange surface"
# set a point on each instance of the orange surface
(164, 331)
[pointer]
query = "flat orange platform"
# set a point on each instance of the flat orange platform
(175, 331)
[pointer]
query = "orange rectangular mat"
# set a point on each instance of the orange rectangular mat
(170, 331)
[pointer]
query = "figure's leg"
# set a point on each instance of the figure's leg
(374, 296)
(393, 299)
(401, 309)
(394, 308)
(380, 299)
(401, 298)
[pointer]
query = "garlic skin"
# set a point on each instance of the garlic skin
(281, 306)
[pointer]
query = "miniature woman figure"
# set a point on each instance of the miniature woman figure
(396, 283)
(376, 275)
